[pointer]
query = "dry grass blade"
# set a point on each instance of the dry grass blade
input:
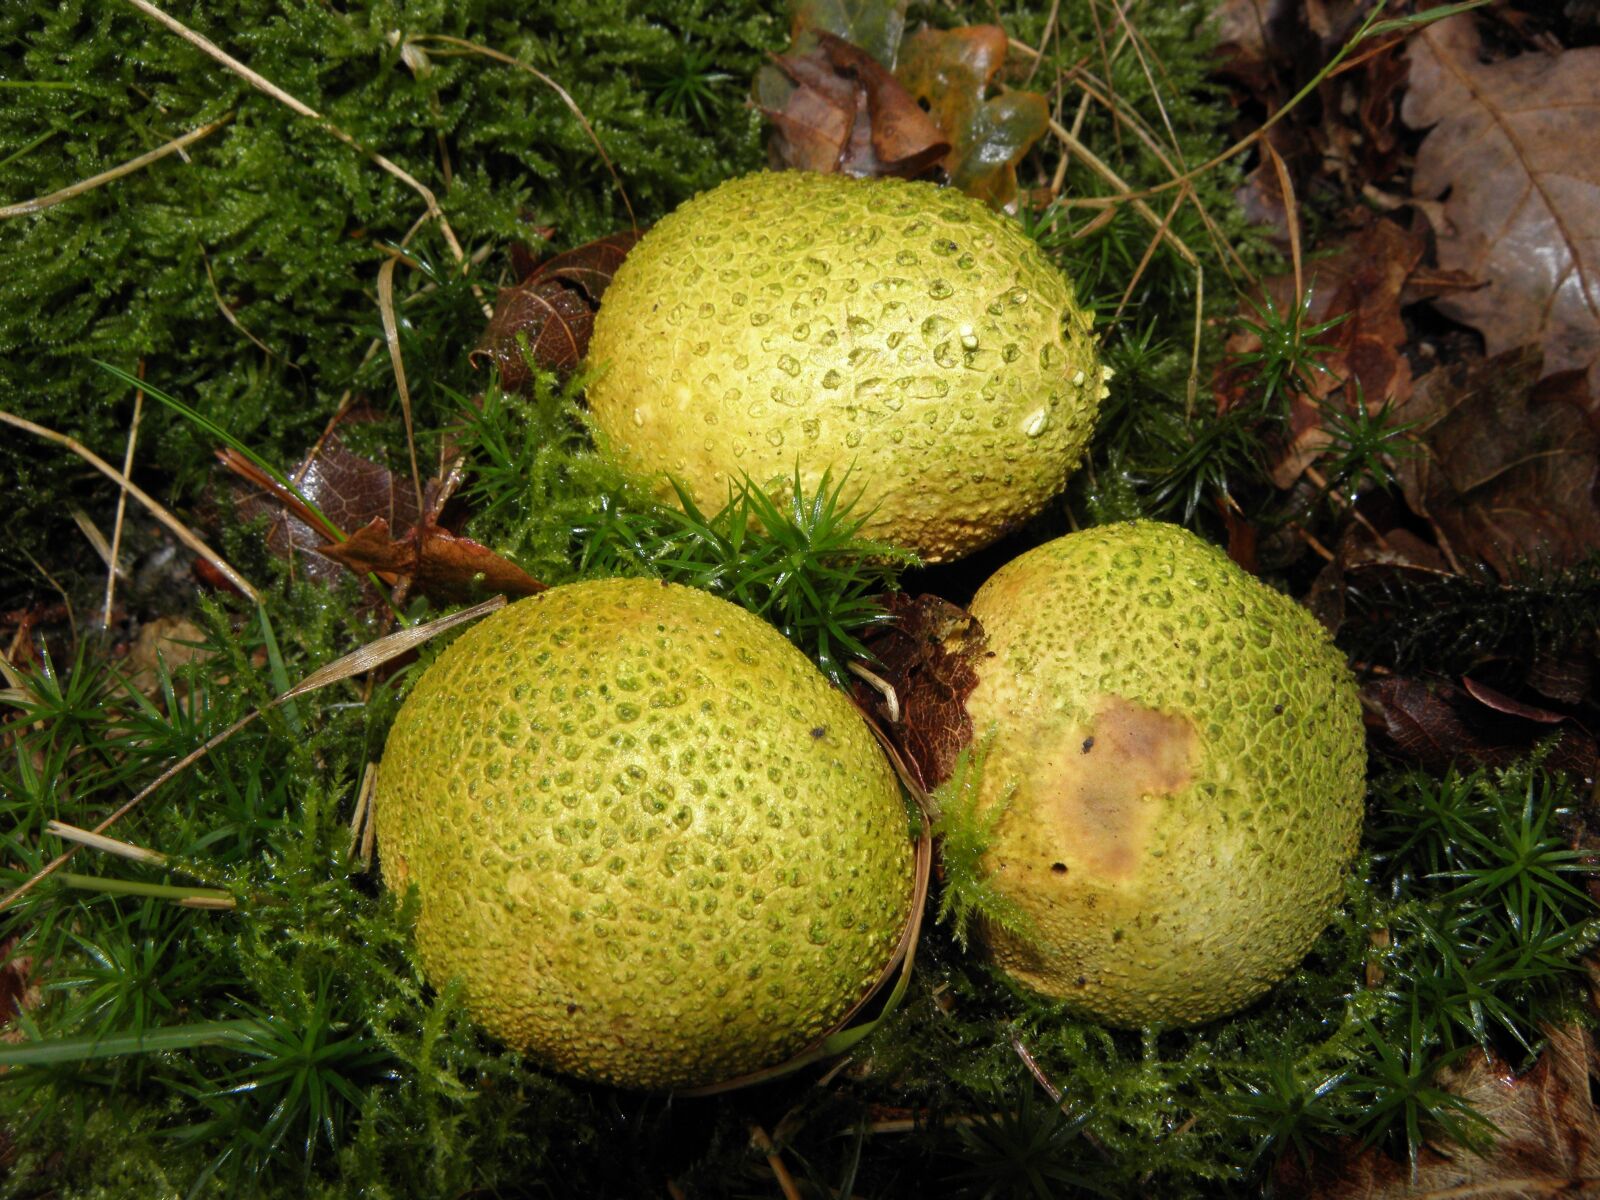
(775, 1163)
(1149, 253)
(232, 318)
(572, 105)
(391, 336)
(357, 662)
(179, 530)
(122, 498)
(106, 845)
(262, 83)
(1291, 212)
(375, 654)
(40, 203)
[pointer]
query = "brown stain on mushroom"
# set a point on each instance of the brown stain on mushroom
(1103, 782)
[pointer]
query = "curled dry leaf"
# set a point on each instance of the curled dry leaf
(1516, 145)
(927, 653)
(1546, 1141)
(441, 564)
(835, 108)
(1512, 462)
(553, 309)
(1436, 724)
(957, 73)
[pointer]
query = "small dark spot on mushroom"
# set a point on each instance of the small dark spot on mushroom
(1083, 981)
(1088, 744)
(1059, 868)
(989, 653)
(1277, 710)
(1116, 935)
(820, 731)
(571, 1008)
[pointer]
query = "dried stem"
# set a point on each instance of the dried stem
(122, 496)
(262, 83)
(40, 203)
(179, 530)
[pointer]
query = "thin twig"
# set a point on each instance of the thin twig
(40, 203)
(179, 530)
(122, 496)
(262, 83)
(780, 1172)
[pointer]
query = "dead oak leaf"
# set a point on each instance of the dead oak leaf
(1512, 466)
(1516, 144)
(553, 310)
(1546, 1141)
(442, 564)
(956, 74)
(837, 109)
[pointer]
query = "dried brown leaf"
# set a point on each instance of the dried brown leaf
(1436, 724)
(956, 73)
(553, 308)
(1516, 144)
(1512, 462)
(842, 111)
(928, 655)
(349, 489)
(442, 565)
(1547, 1141)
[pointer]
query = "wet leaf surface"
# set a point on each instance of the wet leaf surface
(835, 108)
(957, 74)
(1514, 149)
(927, 655)
(553, 309)
(1547, 1141)
(365, 501)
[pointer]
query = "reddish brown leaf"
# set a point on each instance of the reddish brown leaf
(1500, 702)
(444, 566)
(553, 309)
(956, 73)
(349, 489)
(842, 111)
(1516, 145)
(927, 654)
(1546, 1140)
(1512, 465)
(1438, 724)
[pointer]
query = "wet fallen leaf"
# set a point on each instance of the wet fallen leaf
(442, 565)
(927, 654)
(956, 73)
(1547, 1140)
(174, 641)
(1512, 462)
(348, 489)
(1436, 723)
(366, 500)
(553, 309)
(1516, 145)
(836, 109)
